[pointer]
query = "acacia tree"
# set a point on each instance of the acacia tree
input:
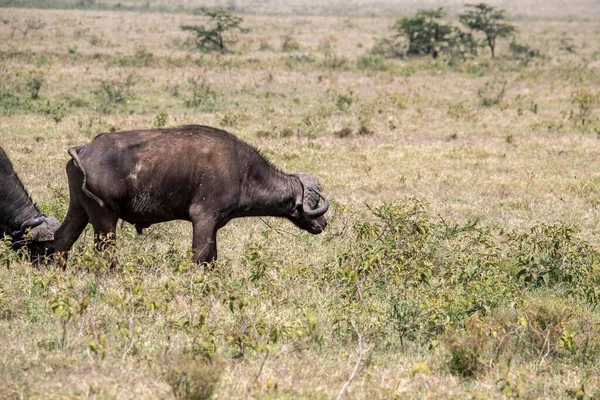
(212, 38)
(426, 34)
(489, 20)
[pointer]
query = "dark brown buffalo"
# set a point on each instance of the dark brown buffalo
(18, 213)
(193, 173)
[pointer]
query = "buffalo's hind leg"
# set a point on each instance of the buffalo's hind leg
(104, 222)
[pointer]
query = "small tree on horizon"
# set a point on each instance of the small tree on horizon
(213, 38)
(425, 34)
(489, 20)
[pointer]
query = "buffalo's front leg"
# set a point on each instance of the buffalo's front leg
(75, 221)
(204, 243)
(69, 231)
(104, 222)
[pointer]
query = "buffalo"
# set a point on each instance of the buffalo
(19, 215)
(194, 173)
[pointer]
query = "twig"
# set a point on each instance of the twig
(81, 321)
(131, 333)
(542, 356)
(342, 231)
(262, 365)
(278, 230)
(360, 354)
(500, 342)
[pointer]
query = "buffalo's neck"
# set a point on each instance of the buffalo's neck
(15, 204)
(267, 192)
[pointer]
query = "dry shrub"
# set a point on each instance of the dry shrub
(289, 44)
(585, 101)
(342, 133)
(364, 130)
(192, 378)
(544, 327)
(463, 359)
(465, 348)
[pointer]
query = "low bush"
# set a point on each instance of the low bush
(114, 94)
(371, 63)
(201, 96)
(582, 116)
(425, 277)
(192, 378)
(492, 93)
(292, 62)
(289, 44)
(522, 52)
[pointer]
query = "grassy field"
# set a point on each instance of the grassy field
(462, 256)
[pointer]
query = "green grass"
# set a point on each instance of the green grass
(461, 256)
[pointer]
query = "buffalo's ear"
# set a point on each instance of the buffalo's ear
(294, 205)
(295, 212)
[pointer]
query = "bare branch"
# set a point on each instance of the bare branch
(358, 360)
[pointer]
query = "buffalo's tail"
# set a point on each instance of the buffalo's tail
(73, 153)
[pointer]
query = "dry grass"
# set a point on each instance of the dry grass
(521, 163)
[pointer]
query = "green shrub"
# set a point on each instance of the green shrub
(551, 255)
(404, 249)
(492, 93)
(160, 121)
(371, 63)
(11, 103)
(56, 110)
(453, 271)
(111, 94)
(259, 263)
(406, 317)
(202, 96)
(34, 85)
(343, 101)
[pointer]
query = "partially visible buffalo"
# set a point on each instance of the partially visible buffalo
(18, 214)
(193, 173)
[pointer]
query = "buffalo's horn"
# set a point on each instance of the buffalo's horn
(317, 212)
(32, 223)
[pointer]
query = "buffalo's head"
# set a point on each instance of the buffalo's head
(37, 235)
(307, 214)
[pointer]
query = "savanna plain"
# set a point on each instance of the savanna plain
(462, 255)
